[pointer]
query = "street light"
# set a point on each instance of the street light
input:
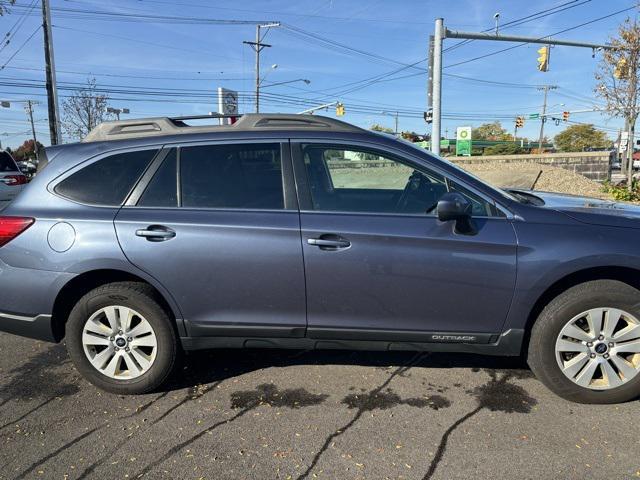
(273, 67)
(288, 81)
(393, 114)
(117, 111)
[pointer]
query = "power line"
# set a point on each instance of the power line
(493, 82)
(20, 47)
(526, 19)
(144, 42)
(78, 13)
(17, 26)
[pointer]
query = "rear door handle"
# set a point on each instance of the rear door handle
(329, 242)
(156, 233)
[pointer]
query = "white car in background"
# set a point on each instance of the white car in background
(12, 180)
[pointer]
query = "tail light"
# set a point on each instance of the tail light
(14, 180)
(11, 227)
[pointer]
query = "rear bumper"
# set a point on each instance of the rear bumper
(27, 297)
(38, 327)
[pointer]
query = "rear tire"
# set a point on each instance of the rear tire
(582, 344)
(121, 339)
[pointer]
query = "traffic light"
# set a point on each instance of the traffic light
(428, 116)
(543, 59)
(339, 110)
(565, 116)
(621, 69)
(519, 122)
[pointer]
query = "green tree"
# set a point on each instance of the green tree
(503, 149)
(26, 151)
(376, 127)
(491, 131)
(618, 80)
(581, 137)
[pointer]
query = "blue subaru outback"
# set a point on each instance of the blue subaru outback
(159, 235)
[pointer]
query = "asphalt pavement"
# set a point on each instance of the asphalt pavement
(271, 414)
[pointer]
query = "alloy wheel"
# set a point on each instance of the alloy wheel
(600, 349)
(119, 342)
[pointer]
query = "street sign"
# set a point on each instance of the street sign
(227, 104)
(463, 141)
(533, 116)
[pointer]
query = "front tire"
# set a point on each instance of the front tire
(121, 339)
(585, 345)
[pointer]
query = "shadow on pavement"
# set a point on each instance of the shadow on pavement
(206, 367)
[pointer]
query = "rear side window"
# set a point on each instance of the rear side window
(232, 176)
(162, 190)
(107, 181)
(6, 163)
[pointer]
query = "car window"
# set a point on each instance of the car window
(232, 176)
(6, 163)
(162, 190)
(107, 181)
(360, 180)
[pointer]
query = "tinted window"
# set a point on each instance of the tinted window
(357, 180)
(6, 163)
(107, 181)
(232, 176)
(162, 190)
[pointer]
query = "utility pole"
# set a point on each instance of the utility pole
(257, 47)
(29, 109)
(393, 114)
(436, 96)
(543, 116)
(50, 71)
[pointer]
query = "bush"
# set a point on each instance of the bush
(622, 193)
(503, 149)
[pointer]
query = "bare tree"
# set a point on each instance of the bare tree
(84, 110)
(618, 78)
(4, 4)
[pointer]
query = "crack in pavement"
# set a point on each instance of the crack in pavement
(58, 451)
(265, 394)
(143, 407)
(497, 395)
(34, 409)
(362, 408)
(195, 394)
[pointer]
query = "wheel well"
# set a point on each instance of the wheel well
(629, 276)
(78, 286)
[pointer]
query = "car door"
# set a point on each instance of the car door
(217, 224)
(380, 265)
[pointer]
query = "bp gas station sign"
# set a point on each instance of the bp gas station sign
(463, 141)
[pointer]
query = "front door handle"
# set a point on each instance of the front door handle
(329, 242)
(156, 233)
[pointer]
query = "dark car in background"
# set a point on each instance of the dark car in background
(289, 231)
(12, 180)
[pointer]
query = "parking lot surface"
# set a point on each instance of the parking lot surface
(292, 415)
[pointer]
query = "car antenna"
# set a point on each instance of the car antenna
(533, 185)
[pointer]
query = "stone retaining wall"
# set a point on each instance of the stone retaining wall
(593, 165)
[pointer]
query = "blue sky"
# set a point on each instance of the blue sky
(126, 54)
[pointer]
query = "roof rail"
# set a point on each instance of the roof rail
(160, 126)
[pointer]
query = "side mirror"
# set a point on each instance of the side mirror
(455, 206)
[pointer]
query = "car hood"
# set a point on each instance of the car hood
(591, 210)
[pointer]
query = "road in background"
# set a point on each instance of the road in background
(293, 415)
